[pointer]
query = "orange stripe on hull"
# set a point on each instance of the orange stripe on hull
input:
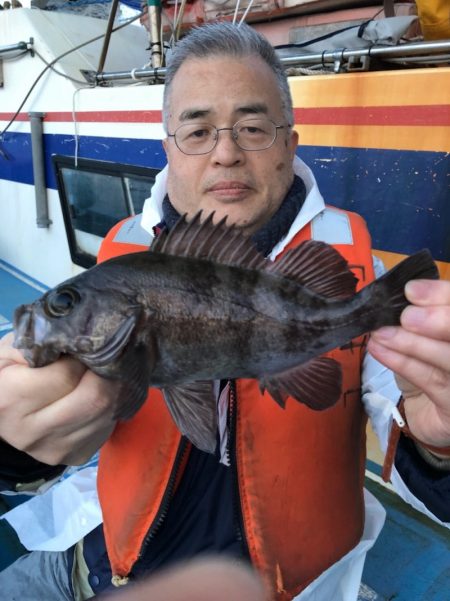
(413, 87)
(429, 115)
(93, 116)
(432, 139)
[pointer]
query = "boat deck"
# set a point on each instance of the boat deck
(16, 288)
(411, 559)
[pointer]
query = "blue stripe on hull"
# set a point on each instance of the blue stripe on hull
(403, 195)
(18, 166)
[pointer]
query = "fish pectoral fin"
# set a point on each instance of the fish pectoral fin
(276, 391)
(319, 267)
(134, 390)
(317, 384)
(194, 409)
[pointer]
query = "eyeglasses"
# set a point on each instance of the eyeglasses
(249, 134)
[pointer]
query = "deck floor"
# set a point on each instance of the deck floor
(16, 288)
(409, 562)
(411, 559)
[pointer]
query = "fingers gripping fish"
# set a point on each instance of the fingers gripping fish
(202, 304)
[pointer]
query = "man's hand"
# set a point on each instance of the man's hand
(198, 580)
(58, 414)
(418, 353)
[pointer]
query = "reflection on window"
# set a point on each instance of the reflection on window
(95, 195)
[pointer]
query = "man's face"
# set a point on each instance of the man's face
(246, 186)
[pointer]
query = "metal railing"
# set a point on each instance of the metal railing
(20, 46)
(440, 50)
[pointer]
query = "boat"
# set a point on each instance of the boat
(80, 147)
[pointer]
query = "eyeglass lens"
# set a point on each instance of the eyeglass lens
(249, 134)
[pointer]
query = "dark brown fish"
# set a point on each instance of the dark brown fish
(202, 304)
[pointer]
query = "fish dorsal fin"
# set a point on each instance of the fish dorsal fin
(319, 267)
(202, 239)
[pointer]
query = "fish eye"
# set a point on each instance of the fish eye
(61, 302)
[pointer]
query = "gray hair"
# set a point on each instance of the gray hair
(226, 39)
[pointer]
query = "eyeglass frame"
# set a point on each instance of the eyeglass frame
(234, 136)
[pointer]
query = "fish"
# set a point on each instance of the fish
(202, 304)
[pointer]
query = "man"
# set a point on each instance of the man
(284, 489)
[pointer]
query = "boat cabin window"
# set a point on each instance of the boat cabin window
(94, 196)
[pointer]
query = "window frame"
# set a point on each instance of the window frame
(96, 167)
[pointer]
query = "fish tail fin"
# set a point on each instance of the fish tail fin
(417, 266)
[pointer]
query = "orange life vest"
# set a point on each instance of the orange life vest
(300, 472)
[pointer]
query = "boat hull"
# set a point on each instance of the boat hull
(378, 143)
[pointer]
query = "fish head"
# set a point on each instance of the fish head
(91, 323)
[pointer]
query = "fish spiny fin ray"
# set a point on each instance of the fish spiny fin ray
(193, 407)
(158, 241)
(201, 239)
(319, 267)
(316, 384)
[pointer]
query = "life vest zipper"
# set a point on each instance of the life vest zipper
(165, 502)
(232, 459)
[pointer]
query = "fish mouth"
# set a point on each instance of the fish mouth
(113, 347)
(31, 338)
(29, 332)
(37, 355)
